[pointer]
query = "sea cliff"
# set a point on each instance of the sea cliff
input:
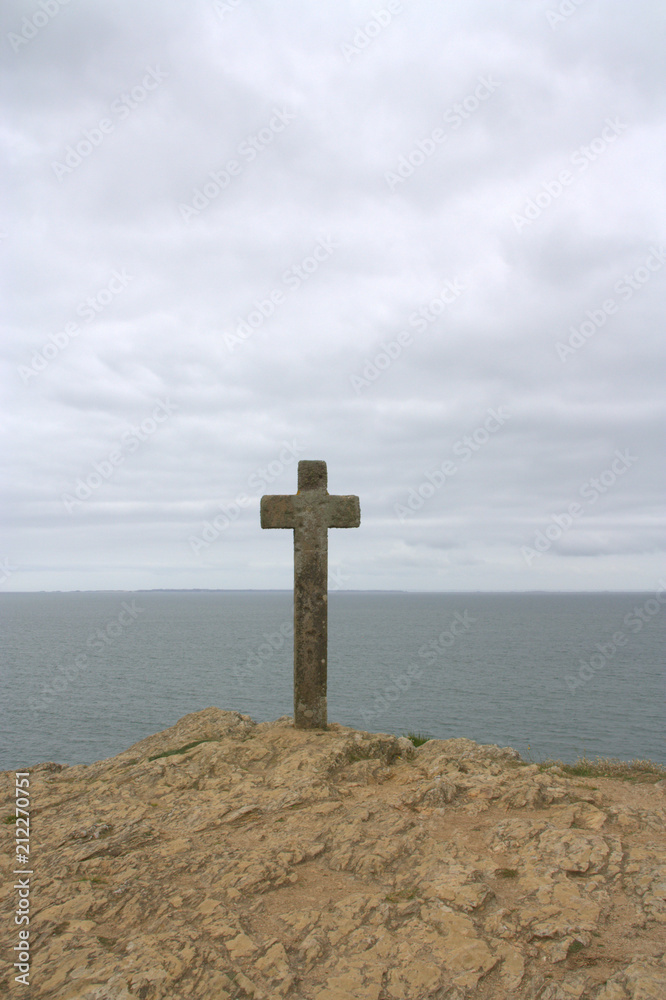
(227, 859)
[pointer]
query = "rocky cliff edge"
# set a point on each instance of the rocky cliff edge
(261, 861)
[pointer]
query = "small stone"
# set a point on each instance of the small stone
(513, 966)
(241, 947)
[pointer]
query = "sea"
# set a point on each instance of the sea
(553, 675)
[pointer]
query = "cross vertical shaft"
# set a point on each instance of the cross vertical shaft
(311, 512)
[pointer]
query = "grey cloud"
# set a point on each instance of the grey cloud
(232, 317)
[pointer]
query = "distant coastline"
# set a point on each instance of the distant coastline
(289, 590)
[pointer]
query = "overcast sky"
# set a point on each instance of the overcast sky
(422, 241)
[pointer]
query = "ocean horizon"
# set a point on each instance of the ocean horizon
(554, 674)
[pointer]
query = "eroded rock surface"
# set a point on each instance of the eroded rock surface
(271, 862)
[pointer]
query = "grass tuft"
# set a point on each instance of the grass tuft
(172, 753)
(418, 739)
(400, 896)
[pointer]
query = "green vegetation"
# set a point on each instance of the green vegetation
(506, 873)
(418, 739)
(639, 771)
(400, 895)
(9, 819)
(171, 753)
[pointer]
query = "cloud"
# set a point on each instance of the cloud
(298, 267)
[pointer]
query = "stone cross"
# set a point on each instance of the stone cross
(310, 512)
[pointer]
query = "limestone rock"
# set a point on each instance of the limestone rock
(225, 859)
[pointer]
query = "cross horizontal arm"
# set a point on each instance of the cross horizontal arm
(343, 512)
(278, 512)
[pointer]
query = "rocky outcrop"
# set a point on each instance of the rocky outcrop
(263, 861)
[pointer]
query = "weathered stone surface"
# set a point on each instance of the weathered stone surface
(310, 512)
(268, 861)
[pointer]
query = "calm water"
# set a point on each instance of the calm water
(88, 674)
